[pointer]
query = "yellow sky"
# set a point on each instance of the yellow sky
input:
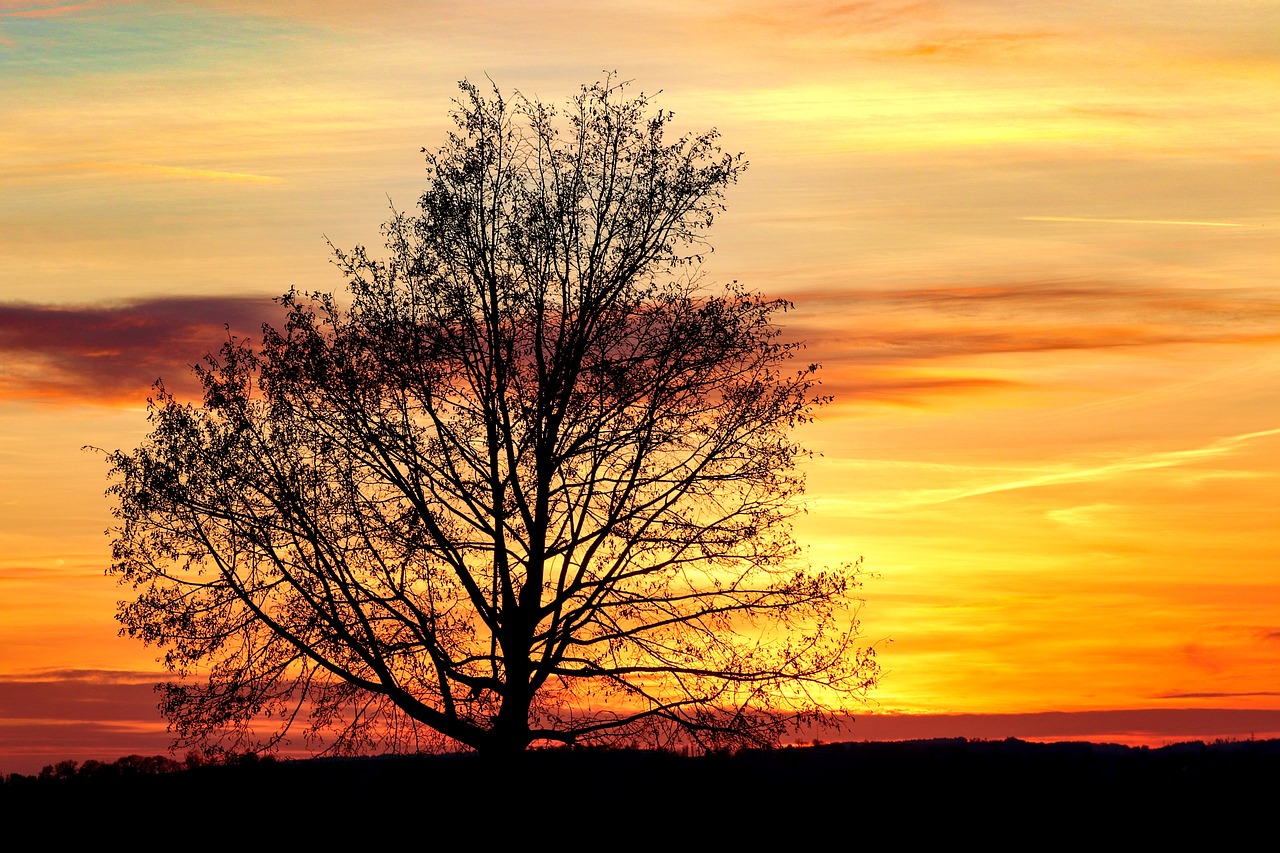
(1033, 245)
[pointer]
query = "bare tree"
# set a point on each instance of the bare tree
(531, 481)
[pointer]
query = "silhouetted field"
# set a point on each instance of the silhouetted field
(834, 796)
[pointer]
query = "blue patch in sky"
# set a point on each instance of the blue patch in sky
(134, 37)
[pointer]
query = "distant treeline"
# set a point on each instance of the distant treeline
(1009, 788)
(127, 766)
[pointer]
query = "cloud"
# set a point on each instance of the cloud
(903, 389)
(84, 676)
(1053, 302)
(966, 46)
(133, 171)
(113, 353)
(63, 41)
(1220, 695)
(77, 695)
(907, 345)
(1072, 474)
(39, 11)
(921, 345)
(825, 19)
(52, 715)
(1133, 221)
(911, 32)
(1152, 726)
(903, 346)
(1082, 516)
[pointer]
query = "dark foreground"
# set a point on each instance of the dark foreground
(836, 795)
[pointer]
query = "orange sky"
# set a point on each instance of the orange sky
(1032, 244)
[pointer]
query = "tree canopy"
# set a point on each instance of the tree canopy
(528, 480)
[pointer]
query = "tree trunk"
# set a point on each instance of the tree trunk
(510, 732)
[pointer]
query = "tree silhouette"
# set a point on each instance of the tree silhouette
(529, 481)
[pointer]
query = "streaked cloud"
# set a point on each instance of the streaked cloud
(1133, 221)
(1060, 298)
(108, 354)
(968, 46)
(1085, 516)
(1068, 474)
(29, 10)
(1139, 727)
(904, 345)
(52, 715)
(84, 676)
(903, 388)
(62, 41)
(134, 171)
(1221, 695)
(154, 170)
(900, 346)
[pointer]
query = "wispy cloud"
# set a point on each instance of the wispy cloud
(1062, 299)
(76, 695)
(900, 346)
(106, 354)
(1220, 695)
(832, 20)
(42, 11)
(1152, 725)
(62, 41)
(1067, 474)
(919, 345)
(902, 388)
(883, 29)
(83, 676)
(134, 170)
(140, 171)
(967, 46)
(1206, 224)
(1084, 516)
(904, 345)
(52, 715)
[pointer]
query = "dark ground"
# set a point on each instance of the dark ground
(1010, 794)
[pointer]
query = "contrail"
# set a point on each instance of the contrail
(1133, 221)
(1133, 464)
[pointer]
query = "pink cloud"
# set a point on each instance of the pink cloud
(113, 353)
(875, 345)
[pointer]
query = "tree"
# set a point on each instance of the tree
(529, 481)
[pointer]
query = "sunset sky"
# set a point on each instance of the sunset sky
(1034, 246)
